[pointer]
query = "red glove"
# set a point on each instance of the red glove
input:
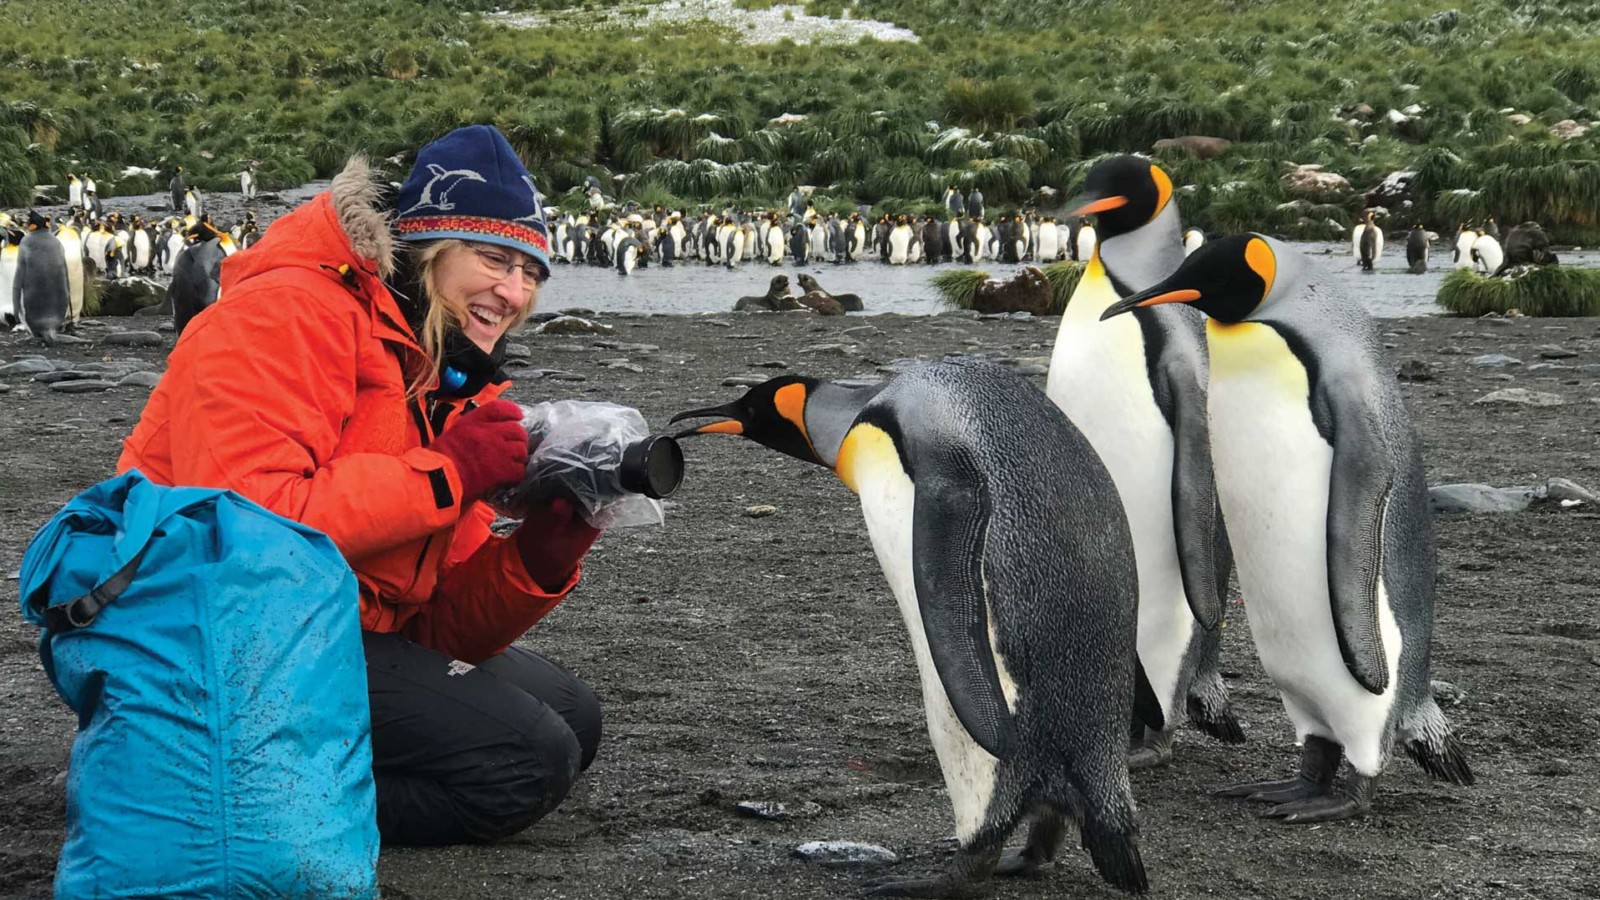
(552, 541)
(488, 447)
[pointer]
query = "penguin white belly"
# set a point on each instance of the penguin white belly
(1049, 246)
(1098, 377)
(1277, 517)
(888, 505)
(899, 246)
(72, 245)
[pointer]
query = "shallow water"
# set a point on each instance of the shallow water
(1389, 292)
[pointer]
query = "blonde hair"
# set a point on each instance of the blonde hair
(442, 311)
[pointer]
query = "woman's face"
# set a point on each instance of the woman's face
(489, 288)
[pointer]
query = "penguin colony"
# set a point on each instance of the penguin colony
(1234, 415)
(628, 238)
(42, 286)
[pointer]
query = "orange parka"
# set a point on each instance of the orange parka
(291, 390)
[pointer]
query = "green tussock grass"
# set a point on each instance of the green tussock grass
(1063, 277)
(1560, 291)
(957, 287)
(684, 110)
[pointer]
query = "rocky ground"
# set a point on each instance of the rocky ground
(745, 658)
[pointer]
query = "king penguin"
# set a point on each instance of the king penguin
(999, 533)
(1367, 242)
(72, 251)
(9, 239)
(1138, 391)
(40, 292)
(1320, 475)
(196, 277)
(1417, 250)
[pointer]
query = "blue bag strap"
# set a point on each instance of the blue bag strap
(81, 611)
(137, 506)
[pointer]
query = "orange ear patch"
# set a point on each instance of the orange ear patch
(1163, 188)
(1261, 259)
(790, 402)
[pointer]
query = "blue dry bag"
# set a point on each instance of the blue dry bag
(212, 652)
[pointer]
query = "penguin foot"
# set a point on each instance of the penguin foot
(1273, 791)
(943, 886)
(1329, 808)
(1153, 751)
(1017, 864)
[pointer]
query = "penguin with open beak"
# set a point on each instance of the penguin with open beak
(1005, 547)
(1319, 471)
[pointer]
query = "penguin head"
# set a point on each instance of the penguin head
(772, 414)
(1125, 193)
(1230, 279)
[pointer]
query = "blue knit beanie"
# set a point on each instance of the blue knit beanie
(470, 185)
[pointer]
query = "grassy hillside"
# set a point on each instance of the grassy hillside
(1008, 95)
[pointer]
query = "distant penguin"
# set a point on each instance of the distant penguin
(1086, 241)
(40, 291)
(1462, 259)
(74, 191)
(799, 243)
(196, 280)
(733, 245)
(1138, 392)
(900, 243)
(626, 253)
(94, 246)
(247, 184)
(91, 200)
(1193, 239)
(9, 239)
(1486, 254)
(667, 247)
(999, 533)
(72, 250)
(1491, 229)
(1417, 250)
(177, 189)
(193, 203)
(1367, 239)
(975, 204)
(1049, 241)
(1339, 582)
(775, 245)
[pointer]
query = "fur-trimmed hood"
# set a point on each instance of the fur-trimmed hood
(355, 195)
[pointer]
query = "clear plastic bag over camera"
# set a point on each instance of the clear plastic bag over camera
(575, 451)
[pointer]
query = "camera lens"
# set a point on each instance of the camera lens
(652, 466)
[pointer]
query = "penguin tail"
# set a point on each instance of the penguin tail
(1429, 741)
(1216, 720)
(1116, 857)
(1442, 759)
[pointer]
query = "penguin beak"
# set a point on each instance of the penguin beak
(1088, 206)
(1147, 299)
(728, 413)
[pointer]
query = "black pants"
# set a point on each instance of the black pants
(466, 754)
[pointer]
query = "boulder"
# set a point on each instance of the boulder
(1568, 129)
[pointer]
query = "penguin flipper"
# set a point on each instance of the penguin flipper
(1197, 517)
(1359, 491)
(947, 557)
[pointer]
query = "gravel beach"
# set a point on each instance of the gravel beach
(761, 658)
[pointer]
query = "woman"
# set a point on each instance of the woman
(348, 380)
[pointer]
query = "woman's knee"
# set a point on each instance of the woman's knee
(586, 721)
(534, 778)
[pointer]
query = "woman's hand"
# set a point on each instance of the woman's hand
(488, 447)
(552, 540)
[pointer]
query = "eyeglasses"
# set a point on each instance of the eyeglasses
(499, 264)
